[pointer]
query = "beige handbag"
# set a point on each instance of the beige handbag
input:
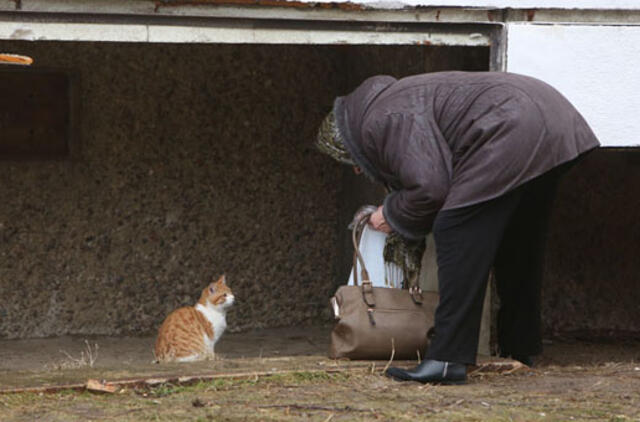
(374, 322)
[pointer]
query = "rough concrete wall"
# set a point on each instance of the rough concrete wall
(592, 267)
(193, 161)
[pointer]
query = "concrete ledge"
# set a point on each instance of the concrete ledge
(240, 33)
(93, 6)
(72, 32)
(183, 34)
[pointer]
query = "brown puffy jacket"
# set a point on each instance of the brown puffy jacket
(450, 139)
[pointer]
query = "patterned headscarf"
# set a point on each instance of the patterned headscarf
(331, 142)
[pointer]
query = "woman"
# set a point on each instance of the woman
(475, 158)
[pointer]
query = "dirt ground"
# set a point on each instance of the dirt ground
(283, 374)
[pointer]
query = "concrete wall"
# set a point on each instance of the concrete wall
(591, 273)
(191, 160)
(592, 267)
(196, 160)
(591, 277)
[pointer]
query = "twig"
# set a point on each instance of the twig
(313, 407)
(144, 382)
(393, 353)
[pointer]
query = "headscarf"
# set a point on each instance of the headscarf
(331, 142)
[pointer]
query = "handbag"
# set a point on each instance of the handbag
(379, 323)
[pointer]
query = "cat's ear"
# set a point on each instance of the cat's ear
(212, 287)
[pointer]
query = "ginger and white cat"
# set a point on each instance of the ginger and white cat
(191, 332)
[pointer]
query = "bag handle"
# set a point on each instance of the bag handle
(356, 235)
(367, 287)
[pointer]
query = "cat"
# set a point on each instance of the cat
(190, 333)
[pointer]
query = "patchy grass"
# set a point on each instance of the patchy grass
(597, 392)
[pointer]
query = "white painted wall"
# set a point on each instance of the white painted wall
(596, 67)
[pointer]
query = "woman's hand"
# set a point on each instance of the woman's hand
(377, 221)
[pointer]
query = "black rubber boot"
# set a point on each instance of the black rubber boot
(432, 371)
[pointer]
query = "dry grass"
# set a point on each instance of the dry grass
(87, 358)
(608, 392)
(573, 382)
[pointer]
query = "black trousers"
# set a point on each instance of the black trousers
(507, 233)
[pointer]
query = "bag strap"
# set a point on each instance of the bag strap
(367, 287)
(356, 236)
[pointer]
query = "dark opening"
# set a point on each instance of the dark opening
(35, 113)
